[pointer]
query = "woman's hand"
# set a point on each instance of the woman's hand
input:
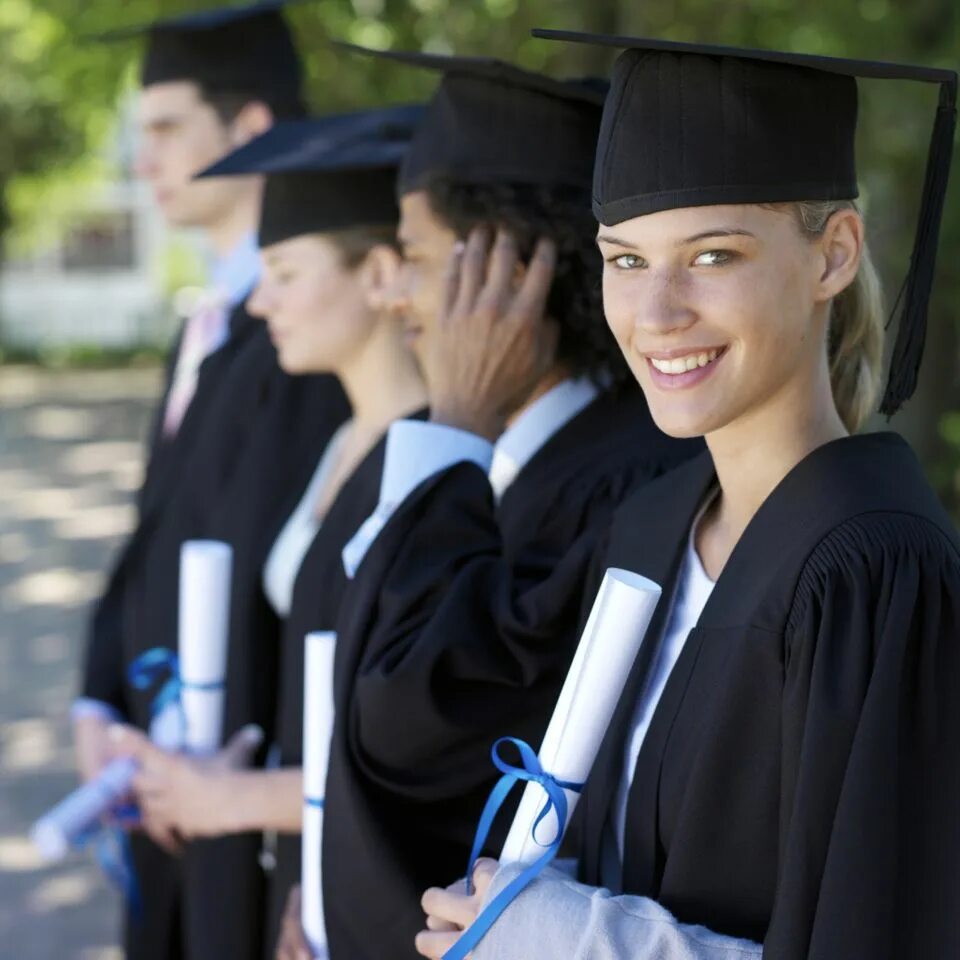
(184, 797)
(449, 912)
(293, 944)
(492, 343)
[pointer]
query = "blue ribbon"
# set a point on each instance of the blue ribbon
(314, 802)
(111, 848)
(148, 668)
(556, 801)
(157, 662)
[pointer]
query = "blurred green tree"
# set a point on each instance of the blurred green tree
(58, 94)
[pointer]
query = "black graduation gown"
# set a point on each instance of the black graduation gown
(318, 592)
(105, 659)
(222, 876)
(459, 628)
(799, 784)
(242, 396)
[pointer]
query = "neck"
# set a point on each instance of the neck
(543, 386)
(383, 382)
(755, 452)
(239, 220)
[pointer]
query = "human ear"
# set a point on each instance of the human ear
(841, 246)
(253, 119)
(379, 275)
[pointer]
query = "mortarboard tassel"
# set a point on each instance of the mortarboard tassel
(912, 329)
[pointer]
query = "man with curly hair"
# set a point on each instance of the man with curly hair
(477, 552)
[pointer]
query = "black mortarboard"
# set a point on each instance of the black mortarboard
(490, 121)
(246, 49)
(328, 173)
(694, 124)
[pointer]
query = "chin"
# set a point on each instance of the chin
(680, 420)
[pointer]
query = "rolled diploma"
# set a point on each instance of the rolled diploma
(73, 817)
(611, 639)
(317, 732)
(204, 628)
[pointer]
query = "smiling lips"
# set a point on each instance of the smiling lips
(684, 370)
(691, 361)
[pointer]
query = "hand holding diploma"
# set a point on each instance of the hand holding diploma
(608, 647)
(449, 912)
(183, 797)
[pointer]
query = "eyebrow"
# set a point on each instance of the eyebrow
(704, 235)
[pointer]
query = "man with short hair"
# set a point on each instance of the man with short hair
(210, 82)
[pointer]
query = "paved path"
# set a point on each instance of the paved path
(70, 459)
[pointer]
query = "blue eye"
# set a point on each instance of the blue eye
(714, 258)
(627, 261)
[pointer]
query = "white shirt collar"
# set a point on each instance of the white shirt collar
(546, 416)
(235, 274)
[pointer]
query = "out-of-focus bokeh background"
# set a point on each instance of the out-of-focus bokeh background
(88, 291)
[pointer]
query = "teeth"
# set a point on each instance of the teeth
(682, 364)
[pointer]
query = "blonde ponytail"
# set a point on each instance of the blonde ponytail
(856, 325)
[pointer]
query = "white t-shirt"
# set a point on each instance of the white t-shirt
(291, 546)
(690, 597)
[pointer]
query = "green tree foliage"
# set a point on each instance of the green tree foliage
(58, 94)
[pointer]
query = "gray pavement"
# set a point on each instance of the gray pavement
(70, 461)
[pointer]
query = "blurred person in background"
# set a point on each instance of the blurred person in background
(210, 82)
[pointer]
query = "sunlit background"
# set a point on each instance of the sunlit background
(90, 280)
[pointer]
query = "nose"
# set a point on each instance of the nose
(664, 305)
(258, 303)
(397, 295)
(145, 159)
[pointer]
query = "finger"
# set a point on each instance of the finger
(473, 270)
(451, 279)
(439, 925)
(458, 908)
(531, 299)
(504, 259)
(242, 746)
(434, 945)
(127, 741)
(163, 836)
(483, 873)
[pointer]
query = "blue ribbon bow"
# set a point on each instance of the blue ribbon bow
(556, 801)
(149, 667)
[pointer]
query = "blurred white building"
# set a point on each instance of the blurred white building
(96, 284)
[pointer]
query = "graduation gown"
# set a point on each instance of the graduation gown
(317, 595)
(222, 876)
(106, 657)
(459, 628)
(799, 784)
(242, 397)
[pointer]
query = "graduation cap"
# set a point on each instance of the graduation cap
(236, 48)
(493, 122)
(691, 124)
(327, 173)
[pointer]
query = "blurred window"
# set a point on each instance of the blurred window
(101, 241)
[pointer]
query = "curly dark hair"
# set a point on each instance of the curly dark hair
(586, 346)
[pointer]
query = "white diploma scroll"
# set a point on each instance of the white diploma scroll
(318, 713)
(78, 813)
(605, 655)
(206, 568)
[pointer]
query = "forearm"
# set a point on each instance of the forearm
(557, 917)
(262, 800)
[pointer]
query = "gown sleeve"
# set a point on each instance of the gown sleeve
(474, 626)
(102, 677)
(870, 799)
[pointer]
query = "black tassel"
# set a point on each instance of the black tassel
(912, 329)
